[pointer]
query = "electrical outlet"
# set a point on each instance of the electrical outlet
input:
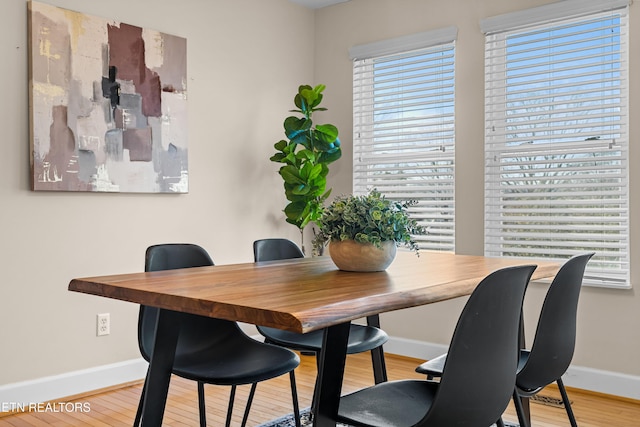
(103, 324)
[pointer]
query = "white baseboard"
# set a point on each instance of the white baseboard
(608, 382)
(73, 383)
(69, 384)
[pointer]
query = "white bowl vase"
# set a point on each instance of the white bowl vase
(349, 255)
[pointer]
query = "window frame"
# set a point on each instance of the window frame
(376, 150)
(601, 271)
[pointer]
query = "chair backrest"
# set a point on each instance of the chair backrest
(172, 256)
(169, 256)
(554, 341)
(479, 373)
(275, 249)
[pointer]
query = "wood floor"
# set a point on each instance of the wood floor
(273, 399)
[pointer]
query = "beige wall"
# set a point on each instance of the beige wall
(609, 320)
(242, 75)
(245, 60)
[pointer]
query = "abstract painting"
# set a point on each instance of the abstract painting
(108, 105)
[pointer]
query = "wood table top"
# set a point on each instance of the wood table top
(304, 294)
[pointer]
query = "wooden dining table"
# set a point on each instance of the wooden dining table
(300, 295)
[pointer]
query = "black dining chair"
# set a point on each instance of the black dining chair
(484, 346)
(209, 350)
(553, 344)
(362, 338)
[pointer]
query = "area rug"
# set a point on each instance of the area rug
(287, 421)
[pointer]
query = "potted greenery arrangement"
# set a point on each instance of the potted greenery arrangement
(306, 154)
(363, 231)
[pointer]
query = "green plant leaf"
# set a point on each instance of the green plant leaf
(313, 97)
(306, 155)
(320, 88)
(294, 210)
(315, 172)
(329, 156)
(326, 137)
(301, 190)
(292, 197)
(291, 175)
(300, 101)
(327, 132)
(290, 158)
(309, 95)
(278, 157)
(305, 171)
(296, 129)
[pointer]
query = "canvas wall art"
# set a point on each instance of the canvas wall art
(108, 105)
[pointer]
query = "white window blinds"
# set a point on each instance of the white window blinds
(557, 143)
(403, 106)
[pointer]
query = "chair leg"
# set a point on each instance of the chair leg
(294, 398)
(249, 402)
(500, 423)
(567, 403)
(136, 422)
(201, 405)
(377, 354)
(230, 409)
(316, 386)
(379, 366)
(519, 409)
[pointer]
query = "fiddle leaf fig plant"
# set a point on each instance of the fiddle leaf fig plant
(305, 155)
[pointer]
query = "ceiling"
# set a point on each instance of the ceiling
(317, 4)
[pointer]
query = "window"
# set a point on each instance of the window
(556, 138)
(404, 127)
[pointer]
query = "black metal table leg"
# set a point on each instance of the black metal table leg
(377, 354)
(332, 358)
(157, 383)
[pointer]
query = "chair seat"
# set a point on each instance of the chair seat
(361, 338)
(394, 403)
(241, 361)
(433, 367)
